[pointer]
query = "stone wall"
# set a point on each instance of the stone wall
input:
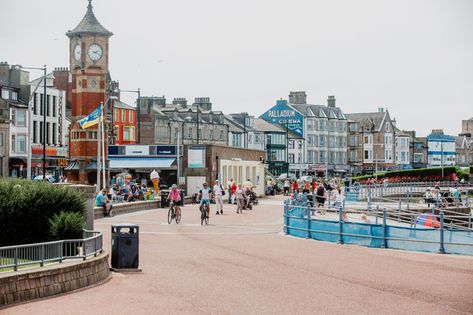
(128, 207)
(26, 285)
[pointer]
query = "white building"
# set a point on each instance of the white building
(402, 145)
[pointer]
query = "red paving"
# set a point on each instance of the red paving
(242, 264)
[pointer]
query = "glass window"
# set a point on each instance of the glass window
(35, 132)
(5, 94)
(1, 139)
(13, 143)
(54, 133)
(21, 118)
(41, 131)
(14, 95)
(116, 115)
(130, 116)
(41, 104)
(35, 103)
(221, 134)
(21, 144)
(48, 106)
(13, 116)
(48, 133)
(54, 105)
(123, 115)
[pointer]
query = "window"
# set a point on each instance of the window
(368, 154)
(13, 143)
(418, 158)
(321, 141)
(21, 144)
(290, 158)
(128, 133)
(388, 128)
(92, 135)
(48, 139)
(54, 133)
(76, 135)
(54, 105)
(35, 132)
(321, 125)
(21, 118)
(130, 116)
(5, 94)
(368, 139)
(13, 116)
(35, 103)
(189, 133)
(14, 95)
(236, 139)
(116, 114)
(48, 106)
(1, 139)
(341, 142)
(123, 115)
(403, 157)
(221, 134)
(211, 135)
(321, 156)
(41, 132)
(41, 104)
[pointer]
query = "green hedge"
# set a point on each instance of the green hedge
(26, 209)
(421, 174)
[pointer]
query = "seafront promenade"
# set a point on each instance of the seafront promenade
(244, 264)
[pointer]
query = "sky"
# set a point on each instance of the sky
(412, 57)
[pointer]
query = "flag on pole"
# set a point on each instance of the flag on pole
(92, 119)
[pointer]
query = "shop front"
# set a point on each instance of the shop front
(56, 161)
(137, 162)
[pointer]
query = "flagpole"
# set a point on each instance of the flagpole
(98, 157)
(103, 149)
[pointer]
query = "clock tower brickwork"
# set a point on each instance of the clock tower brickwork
(89, 81)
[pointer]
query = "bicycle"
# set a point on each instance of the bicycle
(204, 214)
(173, 214)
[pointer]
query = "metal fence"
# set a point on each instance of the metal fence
(451, 232)
(56, 251)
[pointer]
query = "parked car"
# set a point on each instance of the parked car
(39, 178)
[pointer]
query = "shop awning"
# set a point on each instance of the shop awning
(137, 163)
(73, 166)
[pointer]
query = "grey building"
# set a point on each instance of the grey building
(163, 123)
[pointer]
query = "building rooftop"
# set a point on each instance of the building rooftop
(369, 121)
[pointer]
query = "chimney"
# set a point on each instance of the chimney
(180, 101)
(380, 109)
(4, 73)
(331, 101)
(203, 102)
(298, 97)
(437, 131)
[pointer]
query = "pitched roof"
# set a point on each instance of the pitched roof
(320, 111)
(264, 126)
(89, 25)
(370, 121)
(120, 104)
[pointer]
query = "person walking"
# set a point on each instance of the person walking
(295, 187)
(287, 186)
(234, 188)
(229, 188)
(239, 198)
(218, 192)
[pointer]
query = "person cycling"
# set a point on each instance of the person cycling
(204, 196)
(175, 196)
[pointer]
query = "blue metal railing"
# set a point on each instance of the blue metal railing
(454, 239)
(13, 257)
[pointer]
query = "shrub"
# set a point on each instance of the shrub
(66, 225)
(27, 207)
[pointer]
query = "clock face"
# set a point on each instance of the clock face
(77, 52)
(95, 52)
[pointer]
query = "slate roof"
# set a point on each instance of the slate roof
(89, 25)
(319, 111)
(369, 121)
(120, 104)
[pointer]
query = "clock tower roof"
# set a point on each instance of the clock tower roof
(89, 25)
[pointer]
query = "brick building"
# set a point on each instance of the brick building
(124, 123)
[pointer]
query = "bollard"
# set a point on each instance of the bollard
(384, 244)
(308, 222)
(340, 226)
(442, 248)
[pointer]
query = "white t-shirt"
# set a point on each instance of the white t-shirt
(205, 193)
(218, 190)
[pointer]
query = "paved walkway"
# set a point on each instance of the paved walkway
(242, 264)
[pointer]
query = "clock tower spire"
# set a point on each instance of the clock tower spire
(89, 76)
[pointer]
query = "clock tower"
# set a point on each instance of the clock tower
(89, 77)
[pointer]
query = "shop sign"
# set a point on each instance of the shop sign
(285, 115)
(137, 150)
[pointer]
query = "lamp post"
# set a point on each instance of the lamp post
(30, 120)
(138, 113)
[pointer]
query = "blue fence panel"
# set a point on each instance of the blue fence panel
(458, 237)
(297, 227)
(415, 234)
(326, 226)
(359, 229)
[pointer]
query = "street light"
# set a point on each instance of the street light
(189, 118)
(138, 112)
(30, 122)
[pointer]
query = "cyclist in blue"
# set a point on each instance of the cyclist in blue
(204, 196)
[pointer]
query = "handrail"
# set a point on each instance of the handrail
(14, 256)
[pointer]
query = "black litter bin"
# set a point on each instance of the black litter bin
(125, 246)
(164, 198)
